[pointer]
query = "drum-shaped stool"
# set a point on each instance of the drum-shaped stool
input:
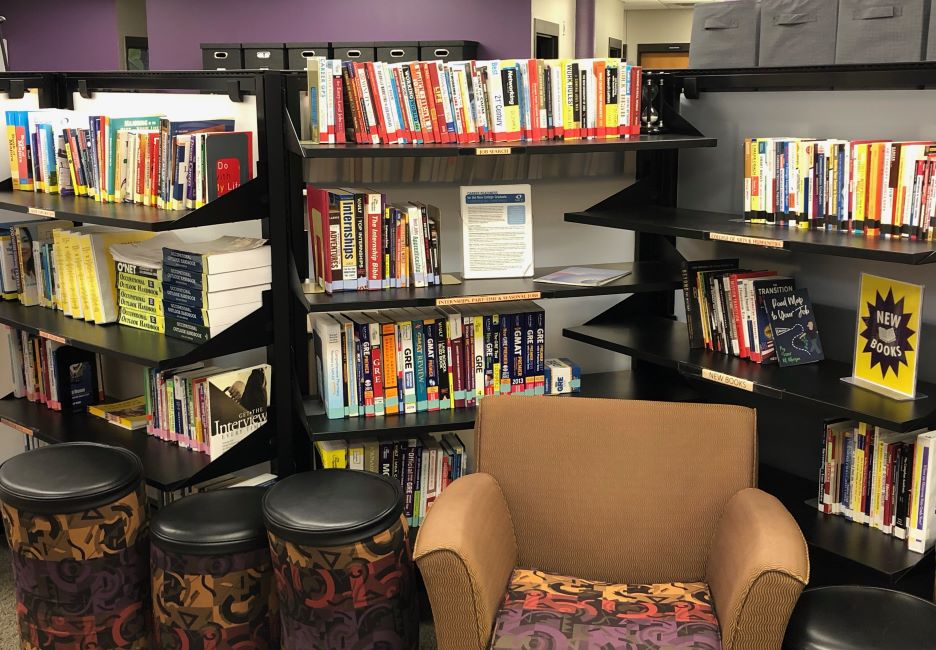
(213, 584)
(75, 519)
(344, 570)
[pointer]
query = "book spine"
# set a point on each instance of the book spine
(367, 373)
(376, 364)
(390, 372)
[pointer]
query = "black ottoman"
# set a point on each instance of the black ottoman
(75, 519)
(860, 618)
(342, 560)
(213, 584)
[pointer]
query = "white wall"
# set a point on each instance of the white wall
(609, 23)
(561, 12)
(656, 26)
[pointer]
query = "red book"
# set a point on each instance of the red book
(371, 76)
(743, 350)
(350, 87)
(369, 118)
(889, 486)
(601, 129)
(444, 135)
(446, 472)
(536, 129)
(422, 103)
(338, 84)
(377, 363)
(406, 125)
(142, 168)
(457, 360)
(152, 186)
(636, 86)
(432, 94)
(319, 235)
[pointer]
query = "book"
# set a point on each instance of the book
(129, 413)
(228, 162)
(763, 288)
(238, 403)
(693, 296)
(579, 276)
(221, 255)
(794, 328)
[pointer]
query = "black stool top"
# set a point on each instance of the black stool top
(209, 523)
(859, 618)
(69, 477)
(332, 507)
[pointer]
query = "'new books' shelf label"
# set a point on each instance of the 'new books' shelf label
(728, 380)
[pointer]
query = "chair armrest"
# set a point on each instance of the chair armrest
(466, 551)
(757, 567)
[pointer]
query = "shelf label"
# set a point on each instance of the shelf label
(728, 380)
(749, 241)
(493, 151)
(53, 337)
(42, 213)
(496, 297)
(18, 427)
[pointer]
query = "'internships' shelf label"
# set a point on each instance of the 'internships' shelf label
(496, 297)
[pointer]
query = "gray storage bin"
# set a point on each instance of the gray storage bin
(797, 32)
(448, 50)
(264, 56)
(222, 56)
(724, 35)
(881, 31)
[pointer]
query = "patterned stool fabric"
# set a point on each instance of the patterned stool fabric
(343, 564)
(213, 585)
(547, 611)
(76, 522)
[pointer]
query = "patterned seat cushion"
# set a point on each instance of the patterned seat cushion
(543, 611)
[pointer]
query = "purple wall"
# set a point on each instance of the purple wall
(177, 27)
(61, 35)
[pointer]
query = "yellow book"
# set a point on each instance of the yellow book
(334, 453)
(80, 190)
(61, 279)
(88, 286)
(142, 320)
(861, 186)
(105, 272)
(73, 251)
(140, 302)
(756, 187)
(356, 455)
(611, 93)
(129, 414)
(571, 114)
(148, 286)
(14, 159)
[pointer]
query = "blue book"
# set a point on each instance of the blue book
(419, 354)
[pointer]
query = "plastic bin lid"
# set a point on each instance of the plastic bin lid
(220, 46)
(302, 46)
(262, 46)
(447, 43)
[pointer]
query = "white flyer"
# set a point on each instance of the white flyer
(497, 231)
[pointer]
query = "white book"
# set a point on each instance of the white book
(349, 364)
(330, 371)
(16, 361)
(624, 94)
(356, 455)
(423, 480)
(887, 193)
(556, 76)
(447, 110)
(324, 80)
(386, 102)
(406, 362)
(226, 281)
(417, 246)
(922, 527)
(376, 346)
(221, 255)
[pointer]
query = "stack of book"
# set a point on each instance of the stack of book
(503, 100)
(880, 478)
(61, 377)
(206, 408)
(873, 188)
(359, 241)
(429, 359)
(726, 308)
(209, 286)
(138, 267)
(424, 466)
(149, 160)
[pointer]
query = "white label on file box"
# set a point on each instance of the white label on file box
(42, 213)
(750, 241)
(728, 380)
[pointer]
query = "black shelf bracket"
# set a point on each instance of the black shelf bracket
(691, 87)
(234, 92)
(16, 89)
(83, 89)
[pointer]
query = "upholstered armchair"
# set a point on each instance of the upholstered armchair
(611, 524)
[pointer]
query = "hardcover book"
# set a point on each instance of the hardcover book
(763, 289)
(228, 161)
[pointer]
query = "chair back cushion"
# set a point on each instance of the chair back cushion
(616, 490)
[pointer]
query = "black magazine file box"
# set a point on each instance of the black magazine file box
(222, 56)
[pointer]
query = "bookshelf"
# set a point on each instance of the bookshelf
(166, 466)
(685, 206)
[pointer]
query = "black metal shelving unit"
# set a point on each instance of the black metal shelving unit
(166, 466)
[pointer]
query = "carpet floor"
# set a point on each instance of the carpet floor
(9, 635)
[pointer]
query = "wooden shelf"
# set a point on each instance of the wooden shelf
(165, 466)
(644, 277)
(135, 345)
(665, 343)
(884, 554)
(697, 224)
(618, 385)
(241, 204)
(633, 143)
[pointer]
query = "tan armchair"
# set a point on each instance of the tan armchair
(615, 522)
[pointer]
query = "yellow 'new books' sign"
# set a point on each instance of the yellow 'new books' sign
(888, 335)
